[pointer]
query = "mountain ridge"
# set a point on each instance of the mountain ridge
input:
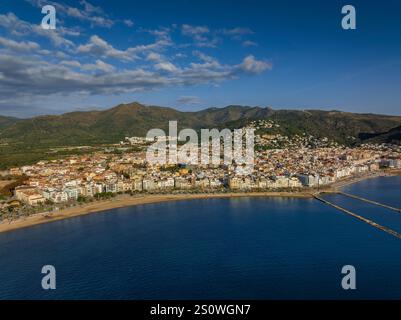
(135, 119)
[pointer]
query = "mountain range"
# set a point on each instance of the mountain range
(134, 119)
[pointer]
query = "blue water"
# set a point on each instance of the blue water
(246, 248)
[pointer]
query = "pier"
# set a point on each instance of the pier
(370, 201)
(357, 216)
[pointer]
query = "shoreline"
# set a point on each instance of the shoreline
(128, 201)
(348, 181)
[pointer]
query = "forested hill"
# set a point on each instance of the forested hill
(134, 119)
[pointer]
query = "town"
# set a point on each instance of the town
(300, 163)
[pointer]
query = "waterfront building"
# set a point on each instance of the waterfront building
(29, 195)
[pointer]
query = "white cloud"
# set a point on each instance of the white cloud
(166, 66)
(89, 8)
(238, 31)
(19, 46)
(71, 63)
(13, 24)
(128, 22)
(33, 77)
(99, 65)
(208, 62)
(238, 34)
(152, 56)
(249, 43)
(99, 47)
(95, 15)
(203, 56)
(19, 27)
(194, 31)
(200, 34)
(61, 55)
(252, 66)
(162, 33)
(209, 43)
(205, 37)
(91, 67)
(36, 78)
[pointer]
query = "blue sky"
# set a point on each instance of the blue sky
(191, 55)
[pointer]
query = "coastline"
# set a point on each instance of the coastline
(127, 201)
(342, 183)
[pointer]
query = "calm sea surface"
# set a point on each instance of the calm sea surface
(246, 248)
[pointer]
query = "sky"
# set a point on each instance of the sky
(192, 55)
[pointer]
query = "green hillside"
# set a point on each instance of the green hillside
(26, 141)
(7, 121)
(112, 125)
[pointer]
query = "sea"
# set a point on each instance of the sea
(234, 248)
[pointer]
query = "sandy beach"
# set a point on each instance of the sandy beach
(127, 201)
